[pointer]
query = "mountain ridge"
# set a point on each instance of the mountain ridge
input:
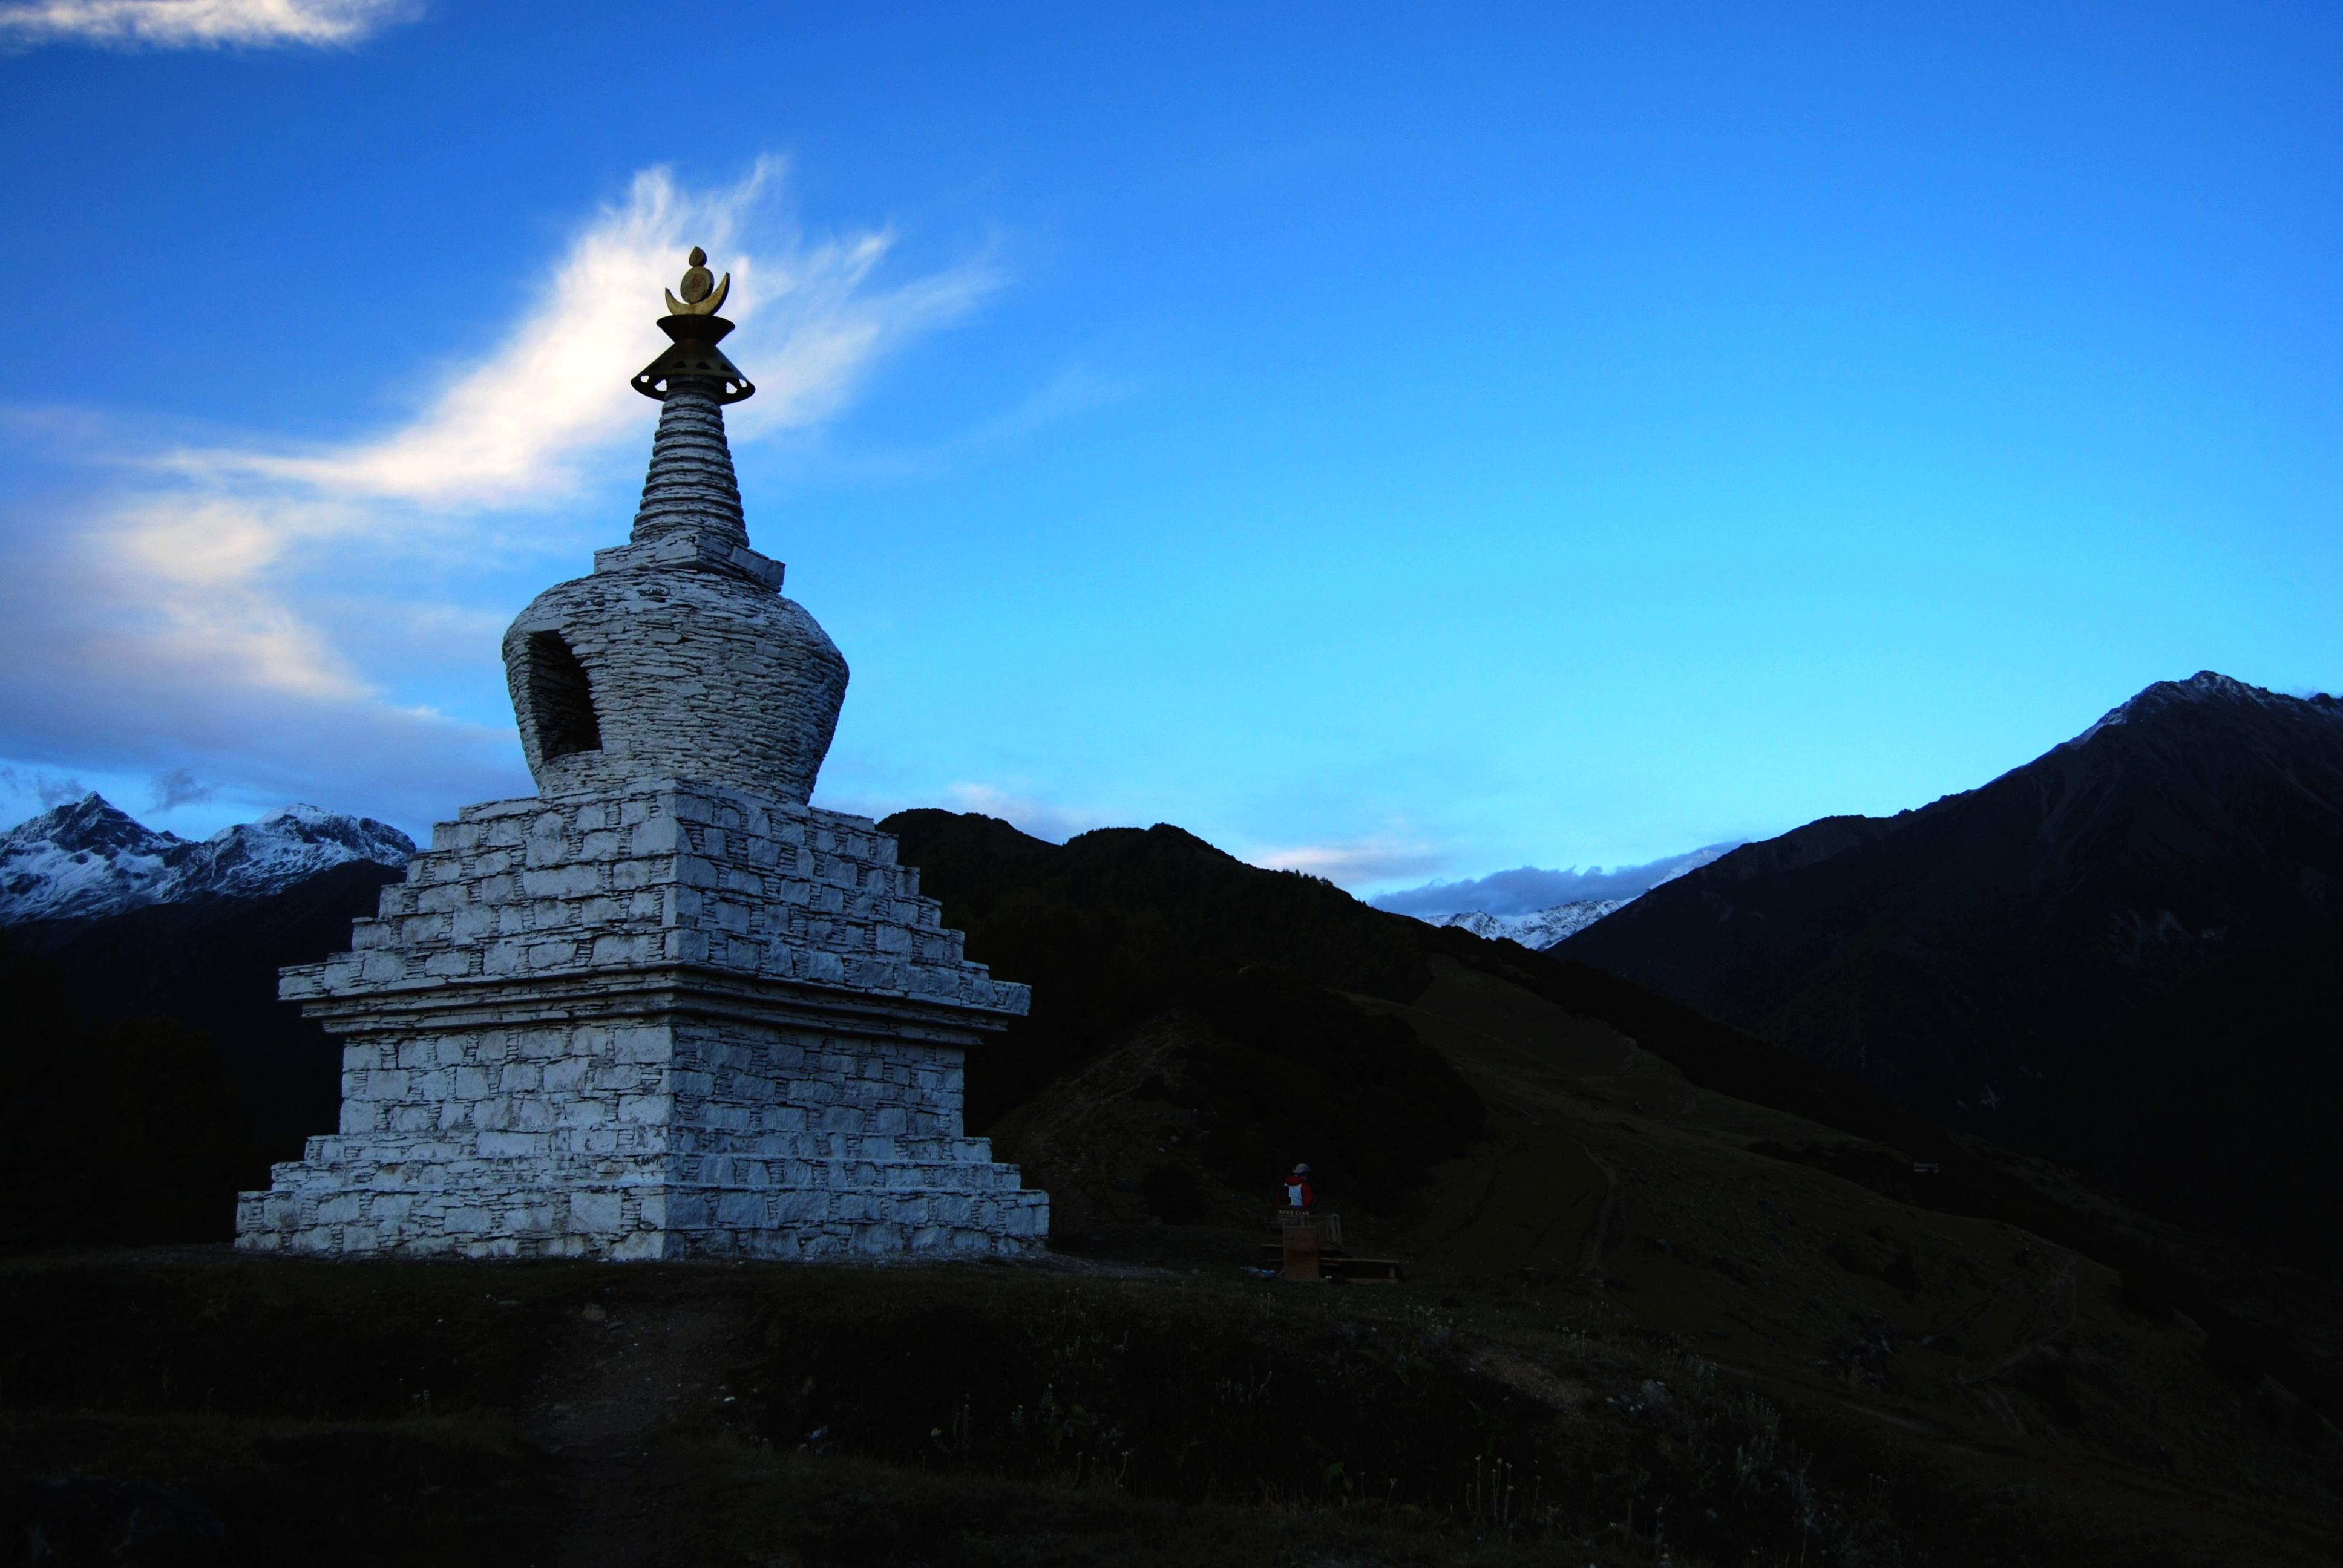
(88, 859)
(2023, 961)
(1540, 929)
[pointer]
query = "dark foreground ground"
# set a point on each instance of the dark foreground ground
(190, 1406)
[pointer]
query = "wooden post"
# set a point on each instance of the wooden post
(1301, 1252)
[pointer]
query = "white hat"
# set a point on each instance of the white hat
(1301, 1170)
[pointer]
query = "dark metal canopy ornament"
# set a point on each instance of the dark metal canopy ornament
(695, 329)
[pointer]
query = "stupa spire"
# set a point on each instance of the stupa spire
(691, 489)
(677, 657)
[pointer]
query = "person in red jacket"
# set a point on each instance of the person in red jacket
(1297, 1188)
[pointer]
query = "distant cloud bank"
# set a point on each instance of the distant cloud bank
(199, 24)
(1528, 890)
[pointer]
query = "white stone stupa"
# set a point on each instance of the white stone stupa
(663, 1008)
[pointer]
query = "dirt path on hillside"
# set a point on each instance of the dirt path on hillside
(621, 1380)
(1597, 1244)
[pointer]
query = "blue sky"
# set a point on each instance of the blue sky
(1401, 442)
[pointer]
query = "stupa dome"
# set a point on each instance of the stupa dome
(677, 657)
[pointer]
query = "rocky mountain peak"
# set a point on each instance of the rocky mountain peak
(92, 823)
(2212, 694)
(1540, 929)
(89, 858)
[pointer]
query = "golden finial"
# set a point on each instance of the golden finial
(702, 294)
(694, 329)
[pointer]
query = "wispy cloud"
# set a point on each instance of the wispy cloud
(1073, 390)
(1356, 863)
(516, 425)
(179, 788)
(1041, 818)
(199, 613)
(199, 24)
(50, 788)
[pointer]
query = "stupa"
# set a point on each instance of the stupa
(664, 1008)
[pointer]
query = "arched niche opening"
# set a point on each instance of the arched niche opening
(560, 699)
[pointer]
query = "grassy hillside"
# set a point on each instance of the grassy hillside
(1671, 1290)
(282, 1412)
(1696, 1182)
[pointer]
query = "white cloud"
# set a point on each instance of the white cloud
(1040, 818)
(512, 428)
(199, 24)
(201, 609)
(1356, 863)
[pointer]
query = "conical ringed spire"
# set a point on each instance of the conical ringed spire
(690, 509)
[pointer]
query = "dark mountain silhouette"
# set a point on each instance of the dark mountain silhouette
(1129, 935)
(128, 1132)
(1492, 1111)
(208, 965)
(2126, 955)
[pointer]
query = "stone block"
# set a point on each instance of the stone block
(442, 899)
(470, 923)
(647, 1110)
(564, 1075)
(641, 1246)
(640, 948)
(571, 881)
(599, 1211)
(527, 1219)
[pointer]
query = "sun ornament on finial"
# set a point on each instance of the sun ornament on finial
(694, 330)
(702, 294)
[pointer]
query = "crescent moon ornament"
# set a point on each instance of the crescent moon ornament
(702, 294)
(707, 307)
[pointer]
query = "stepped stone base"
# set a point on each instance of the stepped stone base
(667, 1022)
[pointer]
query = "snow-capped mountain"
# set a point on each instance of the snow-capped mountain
(1540, 929)
(90, 859)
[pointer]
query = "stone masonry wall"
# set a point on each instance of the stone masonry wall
(670, 1021)
(659, 873)
(697, 673)
(644, 1137)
